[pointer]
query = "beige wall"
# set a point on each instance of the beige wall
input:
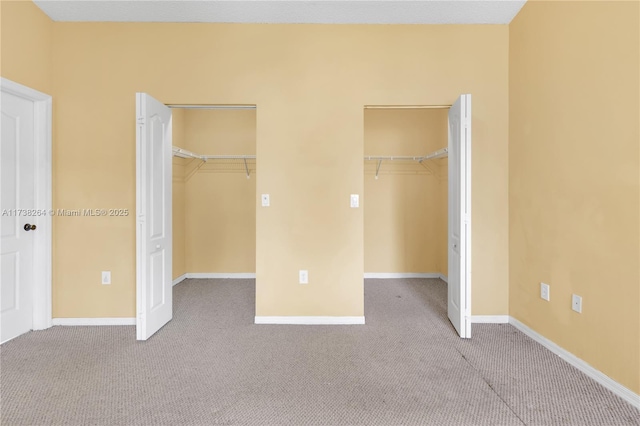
(402, 208)
(572, 166)
(179, 200)
(574, 179)
(26, 43)
(310, 83)
(220, 200)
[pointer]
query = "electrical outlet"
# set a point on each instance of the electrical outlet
(106, 277)
(265, 200)
(545, 291)
(304, 276)
(576, 303)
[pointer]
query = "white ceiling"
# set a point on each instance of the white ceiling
(286, 12)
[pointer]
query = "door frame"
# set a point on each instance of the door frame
(42, 294)
(466, 288)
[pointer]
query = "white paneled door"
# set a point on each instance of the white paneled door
(153, 216)
(17, 204)
(459, 229)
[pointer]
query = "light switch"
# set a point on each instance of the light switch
(265, 200)
(106, 277)
(355, 201)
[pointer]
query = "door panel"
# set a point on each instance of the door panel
(153, 213)
(18, 196)
(157, 279)
(157, 182)
(459, 270)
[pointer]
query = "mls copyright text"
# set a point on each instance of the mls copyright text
(66, 212)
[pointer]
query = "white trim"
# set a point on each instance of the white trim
(94, 321)
(42, 239)
(180, 279)
(308, 320)
(234, 275)
(489, 319)
(444, 278)
(606, 381)
(391, 275)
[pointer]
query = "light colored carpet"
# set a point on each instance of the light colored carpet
(212, 365)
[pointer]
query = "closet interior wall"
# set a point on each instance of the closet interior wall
(405, 208)
(216, 233)
(179, 220)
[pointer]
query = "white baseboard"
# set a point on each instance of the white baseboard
(180, 279)
(235, 275)
(606, 381)
(490, 319)
(389, 275)
(94, 321)
(444, 278)
(308, 320)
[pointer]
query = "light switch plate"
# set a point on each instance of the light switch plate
(576, 303)
(106, 277)
(265, 200)
(355, 201)
(304, 276)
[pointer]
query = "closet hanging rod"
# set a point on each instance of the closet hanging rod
(183, 153)
(431, 156)
(407, 106)
(228, 157)
(393, 157)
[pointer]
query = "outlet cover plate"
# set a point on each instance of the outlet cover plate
(545, 291)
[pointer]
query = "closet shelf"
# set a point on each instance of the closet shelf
(441, 153)
(183, 153)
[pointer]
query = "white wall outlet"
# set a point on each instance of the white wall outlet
(355, 201)
(576, 303)
(304, 276)
(106, 277)
(265, 200)
(545, 291)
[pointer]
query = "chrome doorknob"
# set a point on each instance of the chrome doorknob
(29, 227)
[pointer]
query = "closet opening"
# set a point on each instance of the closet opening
(410, 224)
(214, 194)
(405, 188)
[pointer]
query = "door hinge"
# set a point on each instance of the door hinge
(141, 120)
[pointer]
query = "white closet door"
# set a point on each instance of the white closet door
(17, 201)
(459, 274)
(153, 216)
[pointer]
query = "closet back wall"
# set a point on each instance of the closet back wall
(179, 201)
(405, 210)
(220, 212)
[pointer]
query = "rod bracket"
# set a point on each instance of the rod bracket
(378, 168)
